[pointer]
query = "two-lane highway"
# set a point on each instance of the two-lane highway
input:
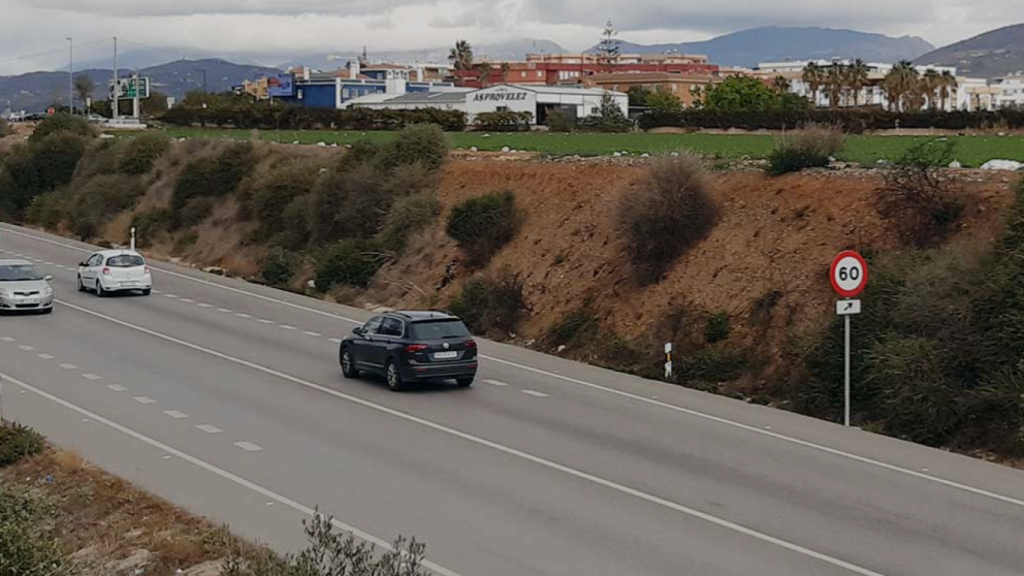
(227, 398)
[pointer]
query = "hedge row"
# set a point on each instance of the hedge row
(266, 116)
(854, 121)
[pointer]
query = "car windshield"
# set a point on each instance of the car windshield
(19, 273)
(439, 329)
(125, 261)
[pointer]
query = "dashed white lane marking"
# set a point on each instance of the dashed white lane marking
(535, 393)
(209, 429)
(287, 327)
(116, 388)
(69, 366)
(313, 334)
(176, 414)
(170, 295)
(265, 321)
(7, 339)
(249, 446)
(158, 291)
(224, 310)
(243, 315)
(93, 377)
(144, 400)
(188, 301)
(26, 348)
(45, 356)
(204, 305)
(335, 340)
(496, 383)
(48, 263)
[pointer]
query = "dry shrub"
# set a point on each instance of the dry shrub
(920, 201)
(809, 147)
(671, 211)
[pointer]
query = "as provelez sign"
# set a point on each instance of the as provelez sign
(849, 276)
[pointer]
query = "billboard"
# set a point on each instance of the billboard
(281, 86)
(126, 88)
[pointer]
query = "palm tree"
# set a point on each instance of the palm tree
(782, 85)
(461, 56)
(814, 77)
(929, 84)
(483, 70)
(857, 79)
(947, 87)
(505, 69)
(836, 83)
(900, 83)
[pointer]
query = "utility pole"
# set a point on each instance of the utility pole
(71, 75)
(116, 101)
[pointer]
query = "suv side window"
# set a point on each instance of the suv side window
(392, 327)
(373, 326)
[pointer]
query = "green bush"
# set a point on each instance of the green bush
(197, 210)
(274, 192)
(62, 123)
(809, 147)
(560, 120)
(363, 152)
(609, 118)
(422, 143)
(491, 304)
(504, 121)
(717, 328)
(409, 216)
(920, 201)
(18, 442)
(149, 224)
(26, 549)
(141, 152)
(579, 323)
(788, 160)
(350, 204)
(36, 168)
(711, 365)
(349, 263)
(483, 224)
(279, 267)
(48, 210)
(671, 211)
(214, 176)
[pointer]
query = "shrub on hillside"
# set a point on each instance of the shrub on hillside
(577, 324)
(671, 211)
(422, 143)
(17, 442)
(93, 204)
(717, 328)
(483, 224)
(279, 267)
(409, 179)
(36, 168)
(62, 123)
(27, 547)
(409, 216)
(195, 211)
(149, 224)
(809, 147)
(919, 200)
(141, 152)
(363, 152)
(214, 176)
(504, 121)
(348, 263)
(48, 210)
(5, 128)
(491, 304)
(349, 204)
(274, 192)
(711, 365)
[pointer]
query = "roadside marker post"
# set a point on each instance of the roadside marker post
(849, 276)
(668, 360)
(133, 238)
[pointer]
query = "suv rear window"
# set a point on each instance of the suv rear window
(126, 261)
(439, 329)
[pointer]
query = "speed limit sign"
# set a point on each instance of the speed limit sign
(849, 274)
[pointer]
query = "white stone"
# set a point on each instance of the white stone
(955, 164)
(617, 154)
(506, 149)
(1009, 165)
(322, 144)
(474, 149)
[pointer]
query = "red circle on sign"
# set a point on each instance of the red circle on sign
(51, 111)
(848, 274)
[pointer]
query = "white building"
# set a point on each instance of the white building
(1010, 91)
(578, 102)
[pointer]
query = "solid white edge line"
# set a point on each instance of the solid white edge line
(215, 470)
(721, 522)
(673, 407)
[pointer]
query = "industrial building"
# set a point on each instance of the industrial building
(558, 69)
(575, 101)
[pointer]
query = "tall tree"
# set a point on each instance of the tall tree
(857, 79)
(901, 85)
(929, 87)
(84, 87)
(835, 81)
(608, 48)
(781, 85)
(483, 71)
(947, 87)
(814, 77)
(506, 68)
(461, 56)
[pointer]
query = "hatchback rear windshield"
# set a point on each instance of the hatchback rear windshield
(127, 261)
(439, 329)
(19, 273)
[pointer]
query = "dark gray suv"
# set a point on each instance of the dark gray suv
(407, 347)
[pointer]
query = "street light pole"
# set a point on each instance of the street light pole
(71, 75)
(203, 70)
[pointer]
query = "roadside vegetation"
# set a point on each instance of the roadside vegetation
(813, 146)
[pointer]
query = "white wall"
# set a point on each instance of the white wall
(514, 98)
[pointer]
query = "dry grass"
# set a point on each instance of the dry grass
(102, 520)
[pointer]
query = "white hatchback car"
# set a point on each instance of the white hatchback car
(115, 271)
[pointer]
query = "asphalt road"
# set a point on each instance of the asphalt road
(226, 398)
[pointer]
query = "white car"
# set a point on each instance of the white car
(23, 287)
(112, 271)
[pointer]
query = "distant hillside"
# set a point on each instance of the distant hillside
(510, 50)
(996, 53)
(37, 90)
(750, 47)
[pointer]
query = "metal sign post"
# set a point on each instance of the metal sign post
(849, 276)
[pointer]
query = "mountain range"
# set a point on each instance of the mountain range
(37, 90)
(747, 48)
(996, 53)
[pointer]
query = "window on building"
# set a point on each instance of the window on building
(540, 74)
(346, 93)
(502, 109)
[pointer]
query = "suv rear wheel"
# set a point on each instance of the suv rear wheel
(394, 379)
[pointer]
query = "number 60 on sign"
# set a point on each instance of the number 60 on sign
(849, 274)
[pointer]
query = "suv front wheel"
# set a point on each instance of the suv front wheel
(348, 364)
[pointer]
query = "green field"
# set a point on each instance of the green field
(971, 151)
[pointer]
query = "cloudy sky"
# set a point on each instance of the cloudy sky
(32, 32)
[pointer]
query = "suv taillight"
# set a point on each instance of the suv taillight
(413, 348)
(106, 271)
(471, 344)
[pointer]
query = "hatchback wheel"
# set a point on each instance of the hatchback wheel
(348, 365)
(81, 286)
(99, 290)
(394, 379)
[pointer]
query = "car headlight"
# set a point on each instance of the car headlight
(48, 291)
